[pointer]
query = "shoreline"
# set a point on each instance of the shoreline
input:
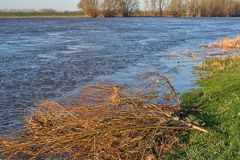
(216, 104)
(40, 17)
(83, 16)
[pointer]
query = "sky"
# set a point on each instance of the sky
(70, 5)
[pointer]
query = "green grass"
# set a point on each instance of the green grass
(40, 14)
(219, 97)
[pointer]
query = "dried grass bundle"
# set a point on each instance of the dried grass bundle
(105, 121)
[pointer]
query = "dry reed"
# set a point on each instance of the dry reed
(105, 121)
(226, 44)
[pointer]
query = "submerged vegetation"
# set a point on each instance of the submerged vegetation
(226, 44)
(105, 121)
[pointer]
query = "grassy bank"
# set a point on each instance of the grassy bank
(219, 100)
(40, 14)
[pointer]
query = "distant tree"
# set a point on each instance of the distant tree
(128, 7)
(146, 7)
(176, 8)
(90, 7)
(234, 8)
(204, 8)
(151, 7)
(161, 6)
(154, 7)
(193, 8)
(110, 8)
(47, 10)
(213, 8)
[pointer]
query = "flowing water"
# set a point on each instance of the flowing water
(49, 58)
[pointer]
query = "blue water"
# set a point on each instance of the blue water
(48, 58)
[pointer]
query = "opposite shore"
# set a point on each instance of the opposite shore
(84, 16)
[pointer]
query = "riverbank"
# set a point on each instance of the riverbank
(76, 15)
(218, 101)
(41, 15)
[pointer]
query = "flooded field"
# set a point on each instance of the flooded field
(53, 58)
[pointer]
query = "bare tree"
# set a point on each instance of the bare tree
(151, 7)
(128, 7)
(234, 8)
(193, 8)
(176, 8)
(212, 8)
(110, 8)
(146, 7)
(154, 7)
(90, 7)
(161, 5)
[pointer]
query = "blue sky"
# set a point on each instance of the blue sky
(38, 4)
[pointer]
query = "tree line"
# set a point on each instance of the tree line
(109, 8)
(177, 8)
